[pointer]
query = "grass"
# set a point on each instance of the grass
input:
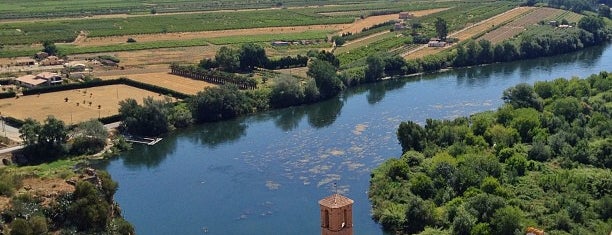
(60, 168)
(349, 59)
(307, 35)
(355, 45)
(46, 8)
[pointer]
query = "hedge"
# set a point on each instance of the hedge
(96, 83)
(9, 94)
(110, 119)
(14, 122)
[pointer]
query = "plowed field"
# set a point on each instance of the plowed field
(518, 25)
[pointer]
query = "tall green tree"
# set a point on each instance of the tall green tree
(375, 69)
(441, 28)
(507, 221)
(327, 81)
(50, 48)
(523, 96)
(228, 59)
(89, 137)
(251, 56)
(411, 136)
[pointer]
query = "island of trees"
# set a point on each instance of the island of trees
(542, 160)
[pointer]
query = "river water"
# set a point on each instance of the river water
(265, 173)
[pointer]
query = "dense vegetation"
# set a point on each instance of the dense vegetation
(543, 160)
(90, 209)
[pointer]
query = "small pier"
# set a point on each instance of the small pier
(142, 140)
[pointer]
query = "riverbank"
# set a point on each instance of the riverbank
(285, 160)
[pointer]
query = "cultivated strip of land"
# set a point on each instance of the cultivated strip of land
(470, 31)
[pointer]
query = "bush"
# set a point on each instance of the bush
(131, 40)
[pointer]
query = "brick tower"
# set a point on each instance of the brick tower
(336, 215)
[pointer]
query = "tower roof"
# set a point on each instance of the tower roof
(335, 201)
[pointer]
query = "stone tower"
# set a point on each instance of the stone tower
(336, 215)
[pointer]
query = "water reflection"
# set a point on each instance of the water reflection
(377, 91)
(214, 134)
(325, 113)
(145, 156)
(290, 118)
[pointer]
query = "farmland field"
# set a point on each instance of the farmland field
(518, 25)
(170, 81)
(40, 106)
(472, 31)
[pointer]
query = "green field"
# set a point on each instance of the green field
(308, 35)
(67, 30)
(45, 8)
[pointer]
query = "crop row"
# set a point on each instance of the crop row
(45, 8)
(348, 59)
(66, 30)
(307, 35)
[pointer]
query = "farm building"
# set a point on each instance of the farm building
(405, 15)
(436, 43)
(399, 26)
(44, 78)
(25, 62)
(30, 81)
(280, 43)
(41, 55)
(52, 60)
(52, 78)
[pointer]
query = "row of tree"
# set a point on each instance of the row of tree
(541, 160)
(248, 57)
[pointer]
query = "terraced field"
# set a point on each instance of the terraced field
(471, 31)
(518, 25)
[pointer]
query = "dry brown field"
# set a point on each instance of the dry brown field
(300, 72)
(518, 25)
(170, 81)
(470, 31)
(40, 106)
(355, 27)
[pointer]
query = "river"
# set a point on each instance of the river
(265, 173)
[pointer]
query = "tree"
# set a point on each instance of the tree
(219, 103)
(419, 213)
(329, 57)
(338, 40)
(89, 137)
(375, 69)
(522, 96)
(395, 65)
(603, 11)
(50, 48)
(286, 91)
(441, 28)
(251, 56)
(89, 211)
(53, 133)
(326, 79)
(29, 131)
(422, 186)
(486, 52)
(228, 59)
(150, 119)
(411, 136)
(463, 222)
(507, 221)
(21, 226)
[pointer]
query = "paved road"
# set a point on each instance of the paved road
(11, 149)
